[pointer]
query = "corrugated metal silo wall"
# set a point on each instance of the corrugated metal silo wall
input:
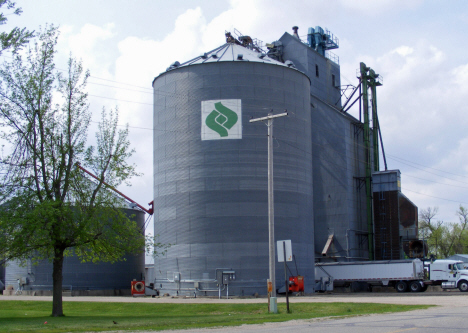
(211, 196)
(320, 70)
(13, 272)
(338, 155)
(83, 276)
(339, 191)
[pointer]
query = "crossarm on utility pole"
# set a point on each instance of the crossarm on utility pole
(268, 117)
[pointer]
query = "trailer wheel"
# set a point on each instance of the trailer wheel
(424, 288)
(401, 286)
(463, 286)
(415, 286)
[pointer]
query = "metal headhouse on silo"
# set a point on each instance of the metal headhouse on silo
(210, 169)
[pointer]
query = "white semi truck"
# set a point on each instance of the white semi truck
(403, 275)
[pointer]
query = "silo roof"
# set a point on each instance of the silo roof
(230, 52)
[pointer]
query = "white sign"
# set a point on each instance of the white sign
(221, 119)
(281, 244)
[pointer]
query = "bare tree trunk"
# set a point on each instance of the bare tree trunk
(57, 277)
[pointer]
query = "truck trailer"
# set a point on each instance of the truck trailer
(404, 275)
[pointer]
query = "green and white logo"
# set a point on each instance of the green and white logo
(221, 119)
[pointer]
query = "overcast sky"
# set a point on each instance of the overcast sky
(419, 47)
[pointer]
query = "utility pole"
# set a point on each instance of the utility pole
(271, 211)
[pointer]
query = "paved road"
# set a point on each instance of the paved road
(433, 320)
(454, 298)
(451, 314)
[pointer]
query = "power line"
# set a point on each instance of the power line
(432, 173)
(106, 85)
(427, 195)
(128, 84)
(428, 180)
(120, 100)
(399, 158)
(136, 127)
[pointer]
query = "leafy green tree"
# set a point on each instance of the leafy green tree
(430, 230)
(444, 239)
(48, 207)
(17, 37)
(457, 234)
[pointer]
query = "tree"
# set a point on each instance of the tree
(430, 230)
(48, 207)
(16, 38)
(444, 239)
(458, 233)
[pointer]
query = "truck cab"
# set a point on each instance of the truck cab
(450, 274)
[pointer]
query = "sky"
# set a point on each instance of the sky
(417, 46)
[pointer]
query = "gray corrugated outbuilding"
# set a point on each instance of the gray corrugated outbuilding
(82, 276)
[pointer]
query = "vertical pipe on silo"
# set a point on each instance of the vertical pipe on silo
(365, 97)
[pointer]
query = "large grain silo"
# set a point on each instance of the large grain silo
(81, 278)
(210, 164)
(210, 170)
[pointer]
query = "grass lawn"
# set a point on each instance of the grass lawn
(30, 316)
